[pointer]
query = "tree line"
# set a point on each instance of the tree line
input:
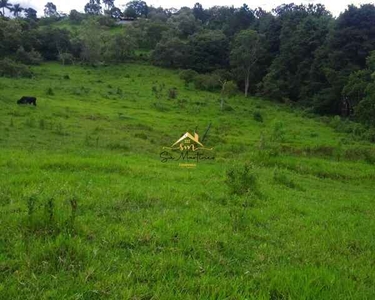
(294, 54)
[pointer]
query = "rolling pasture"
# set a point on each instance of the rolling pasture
(88, 210)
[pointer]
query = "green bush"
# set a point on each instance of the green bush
(172, 93)
(30, 58)
(258, 116)
(76, 17)
(207, 82)
(188, 75)
(242, 180)
(10, 68)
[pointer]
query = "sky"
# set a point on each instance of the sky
(334, 6)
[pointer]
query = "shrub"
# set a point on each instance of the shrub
(50, 92)
(141, 135)
(278, 131)
(188, 75)
(207, 82)
(229, 89)
(280, 177)
(172, 93)
(258, 116)
(10, 68)
(30, 58)
(76, 17)
(242, 180)
(106, 21)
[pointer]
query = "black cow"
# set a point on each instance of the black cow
(27, 100)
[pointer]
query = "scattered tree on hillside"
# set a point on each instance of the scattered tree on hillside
(120, 47)
(246, 51)
(50, 10)
(91, 37)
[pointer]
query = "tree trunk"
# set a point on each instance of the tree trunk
(246, 85)
(247, 81)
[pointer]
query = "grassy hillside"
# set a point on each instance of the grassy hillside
(88, 210)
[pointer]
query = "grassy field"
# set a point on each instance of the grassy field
(88, 210)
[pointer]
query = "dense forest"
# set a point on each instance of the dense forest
(296, 54)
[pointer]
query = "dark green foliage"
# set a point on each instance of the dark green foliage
(172, 93)
(257, 115)
(209, 51)
(76, 17)
(171, 52)
(50, 92)
(280, 177)
(207, 82)
(294, 54)
(136, 8)
(29, 58)
(10, 68)
(242, 180)
(188, 75)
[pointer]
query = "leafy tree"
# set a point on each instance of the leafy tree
(209, 50)
(11, 33)
(93, 7)
(158, 14)
(360, 90)
(30, 58)
(115, 12)
(121, 47)
(136, 8)
(109, 4)
(199, 13)
(4, 4)
(30, 13)
(184, 23)
(52, 41)
(245, 53)
(50, 10)
(91, 37)
(76, 17)
(171, 52)
(345, 51)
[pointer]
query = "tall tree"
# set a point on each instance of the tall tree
(50, 10)
(199, 13)
(109, 4)
(139, 8)
(209, 50)
(4, 4)
(92, 43)
(246, 51)
(30, 13)
(16, 9)
(93, 7)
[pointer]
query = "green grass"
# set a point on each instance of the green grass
(88, 211)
